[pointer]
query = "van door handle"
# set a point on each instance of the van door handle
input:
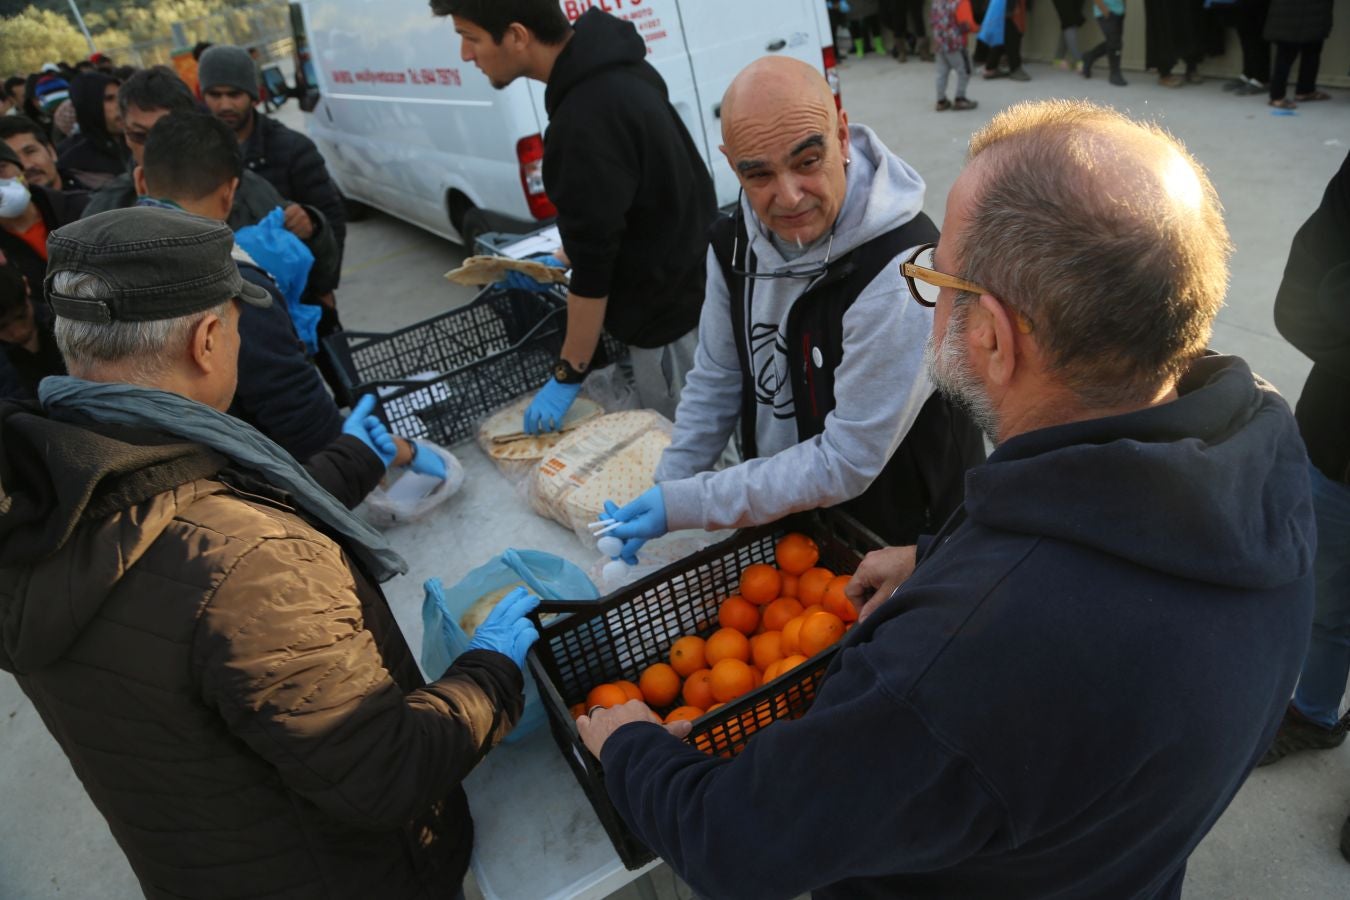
(717, 111)
(775, 46)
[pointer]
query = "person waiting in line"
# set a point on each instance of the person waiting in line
(1061, 691)
(1111, 18)
(97, 153)
(1298, 29)
(1172, 35)
(28, 214)
(203, 629)
(28, 351)
(952, 23)
(1070, 13)
(633, 213)
(802, 342)
(1014, 27)
(1312, 311)
(35, 150)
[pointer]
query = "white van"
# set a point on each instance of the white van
(410, 129)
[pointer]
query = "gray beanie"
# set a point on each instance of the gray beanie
(223, 66)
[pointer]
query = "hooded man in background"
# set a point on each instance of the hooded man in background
(97, 153)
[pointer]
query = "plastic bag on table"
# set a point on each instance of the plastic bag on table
(516, 454)
(447, 612)
(410, 496)
(612, 387)
(613, 457)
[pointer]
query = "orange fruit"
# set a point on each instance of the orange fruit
(686, 656)
(632, 690)
(789, 588)
(780, 612)
(820, 630)
(684, 714)
(791, 662)
(698, 689)
(773, 670)
(577, 710)
(606, 695)
(738, 613)
(813, 608)
(727, 643)
(812, 584)
(837, 602)
(792, 635)
(715, 707)
(731, 678)
(796, 553)
(766, 649)
(660, 685)
(760, 583)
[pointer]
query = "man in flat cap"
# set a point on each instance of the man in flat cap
(197, 618)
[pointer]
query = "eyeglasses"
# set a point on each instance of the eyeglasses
(789, 272)
(926, 283)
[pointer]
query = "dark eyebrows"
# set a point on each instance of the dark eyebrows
(814, 142)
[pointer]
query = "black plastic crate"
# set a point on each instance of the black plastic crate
(619, 636)
(483, 355)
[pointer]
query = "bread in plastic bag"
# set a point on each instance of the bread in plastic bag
(516, 454)
(407, 496)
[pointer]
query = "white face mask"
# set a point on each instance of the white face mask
(14, 198)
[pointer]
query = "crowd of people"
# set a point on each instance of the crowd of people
(1074, 652)
(1273, 35)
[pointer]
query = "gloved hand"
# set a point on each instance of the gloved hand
(844, 7)
(643, 519)
(506, 630)
(519, 281)
(366, 427)
(550, 406)
(427, 462)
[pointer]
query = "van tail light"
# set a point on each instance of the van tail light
(530, 152)
(832, 74)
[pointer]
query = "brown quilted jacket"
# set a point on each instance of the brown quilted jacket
(234, 694)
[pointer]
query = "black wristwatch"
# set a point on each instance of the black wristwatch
(563, 373)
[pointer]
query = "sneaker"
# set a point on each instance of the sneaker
(944, 104)
(1298, 733)
(1171, 81)
(1019, 74)
(962, 103)
(989, 74)
(1193, 76)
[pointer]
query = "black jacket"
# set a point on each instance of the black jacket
(280, 392)
(294, 166)
(93, 155)
(1312, 311)
(1059, 703)
(1298, 21)
(21, 371)
(634, 197)
(57, 208)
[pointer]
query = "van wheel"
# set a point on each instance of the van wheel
(356, 210)
(471, 226)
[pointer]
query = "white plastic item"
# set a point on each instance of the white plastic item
(609, 546)
(406, 496)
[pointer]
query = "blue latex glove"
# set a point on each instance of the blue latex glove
(366, 427)
(426, 462)
(643, 519)
(550, 406)
(506, 630)
(519, 281)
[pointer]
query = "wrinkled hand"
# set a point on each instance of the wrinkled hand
(878, 575)
(506, 630)
(298, 222)
(596, 726)
(426, 461)
(366, 427)
(519, 281)
(643, 519)
(550, 406)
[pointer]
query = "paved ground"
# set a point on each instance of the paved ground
(1278, 839)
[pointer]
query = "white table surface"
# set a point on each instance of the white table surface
(536, 835)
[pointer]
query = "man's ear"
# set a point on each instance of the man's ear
(227, 194)
(518, 35)
(138, 178)
(994, 334)
(205, 345)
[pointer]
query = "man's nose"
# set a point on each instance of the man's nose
(790, 192)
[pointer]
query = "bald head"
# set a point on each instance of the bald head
(788, 144)
(1106, 234)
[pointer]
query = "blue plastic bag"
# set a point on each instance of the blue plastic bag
(286, 258)
(548, 576)
(991, 31)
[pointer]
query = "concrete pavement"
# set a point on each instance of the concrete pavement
(1277, 841)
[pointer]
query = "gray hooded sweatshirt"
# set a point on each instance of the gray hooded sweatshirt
(879, 387)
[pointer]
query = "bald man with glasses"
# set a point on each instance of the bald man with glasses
(808, 341)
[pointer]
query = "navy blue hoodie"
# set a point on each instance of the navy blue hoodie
(1059, 703)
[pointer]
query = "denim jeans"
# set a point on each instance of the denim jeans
(1327, 666)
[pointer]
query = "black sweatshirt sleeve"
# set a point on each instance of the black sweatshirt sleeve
(347, 469)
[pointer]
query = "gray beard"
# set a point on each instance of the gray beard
(950, 371)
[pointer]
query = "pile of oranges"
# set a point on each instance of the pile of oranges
(781, 616)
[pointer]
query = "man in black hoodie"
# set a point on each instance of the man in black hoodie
(97, 153)
(1091, 655)
(634, 198)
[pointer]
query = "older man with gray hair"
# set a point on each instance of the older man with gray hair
(1066, 692)
(197, 618)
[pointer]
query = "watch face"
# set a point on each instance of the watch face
(560, 372)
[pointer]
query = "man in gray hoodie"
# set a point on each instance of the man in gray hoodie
(808, 337)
